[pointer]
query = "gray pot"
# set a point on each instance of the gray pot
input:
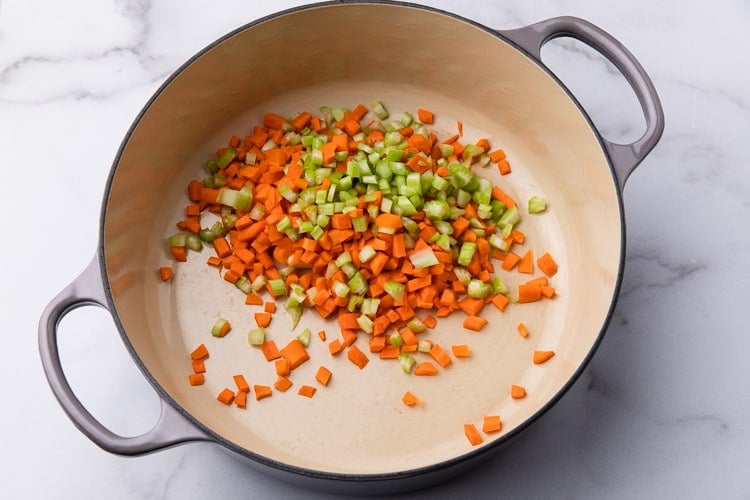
(353, 437)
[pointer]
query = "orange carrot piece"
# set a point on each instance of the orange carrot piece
(263, 319)
(526, 264)
(425, 116)
(390, 352)
(262, 391)
(500, 301)
(282, 383)
(295, 353)
(430, 321)
(356, 356)
(307, 391)
(529, 293)
(226, 396)
(200, 352)
(283, 367)
(323, 375)
(410, 399)
(425, 368)
(270, 351)
(547, 264)
(522, 329)
(199, 366)
(270, 307)
(475, 323)
(377, 343)
(166, 273)
(242, 384)
(253, 299)
(439, 355)
(491, 423)
(510, 261)
(461, 351)
(542, 356)
(222, 248)
(471, 306)
(196, 379)
(472, 434)
(240, 399)
(517, 392)
(179, 253)
(547, 291)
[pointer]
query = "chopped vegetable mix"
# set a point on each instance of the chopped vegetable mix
(379, 225)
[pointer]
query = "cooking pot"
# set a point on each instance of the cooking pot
(355, 435)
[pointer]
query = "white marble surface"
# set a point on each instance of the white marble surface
(661, 412)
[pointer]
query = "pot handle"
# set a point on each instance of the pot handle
(625, 157)
(172, 427)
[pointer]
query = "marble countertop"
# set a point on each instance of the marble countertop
(662, 411)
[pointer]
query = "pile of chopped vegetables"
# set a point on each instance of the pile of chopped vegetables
(373, 221)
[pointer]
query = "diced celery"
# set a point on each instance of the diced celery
(407, 362)
(218, 326)
(536, 205)
(256, 336)
(304, 337)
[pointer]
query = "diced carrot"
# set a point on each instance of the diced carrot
(547, 291)
(526, 264)
(242, 384)
(547, 264)
(270, 351)
(542, 356)
(253, 299)
(472, 434)
(196, 379)
(335, 346)
(323, 375)
(491, 423)
(307, 391)
(199, 366)
(270, 307)
(179, 253)
(529, 293)
(295, 353)
(461, 351)
(389, 352)
(226, 396)
(409, 399)
(471, 306)
(425, 116)
(166, 273)
(282, 383)
(240, 399)
(356, 356)
(283, 367)
(510, 261)
(261, 391)
(425, 368)
(522, 329)
(500, 301)
(475, 323)
(439, 355)
(200, 352)
(263, 319)
(517, 391)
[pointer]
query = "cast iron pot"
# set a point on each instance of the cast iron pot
(356, 436)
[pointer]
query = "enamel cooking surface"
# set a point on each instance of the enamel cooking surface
(358, 424)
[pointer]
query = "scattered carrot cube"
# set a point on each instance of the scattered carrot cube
(461, 351)
(491, 423)
(357, 357)
(522, 329)
(196, 379)
(517, 392)
(474, 323)
(306, 390)
(261, 391)
(226, 396)
(166, 273)
(323, 375)
(282, 383)
(200, 352)
(542, 356)
(242, 384)
(472, 434)
(240, 399)
(410, 399)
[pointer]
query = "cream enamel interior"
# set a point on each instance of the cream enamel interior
(343, 55)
